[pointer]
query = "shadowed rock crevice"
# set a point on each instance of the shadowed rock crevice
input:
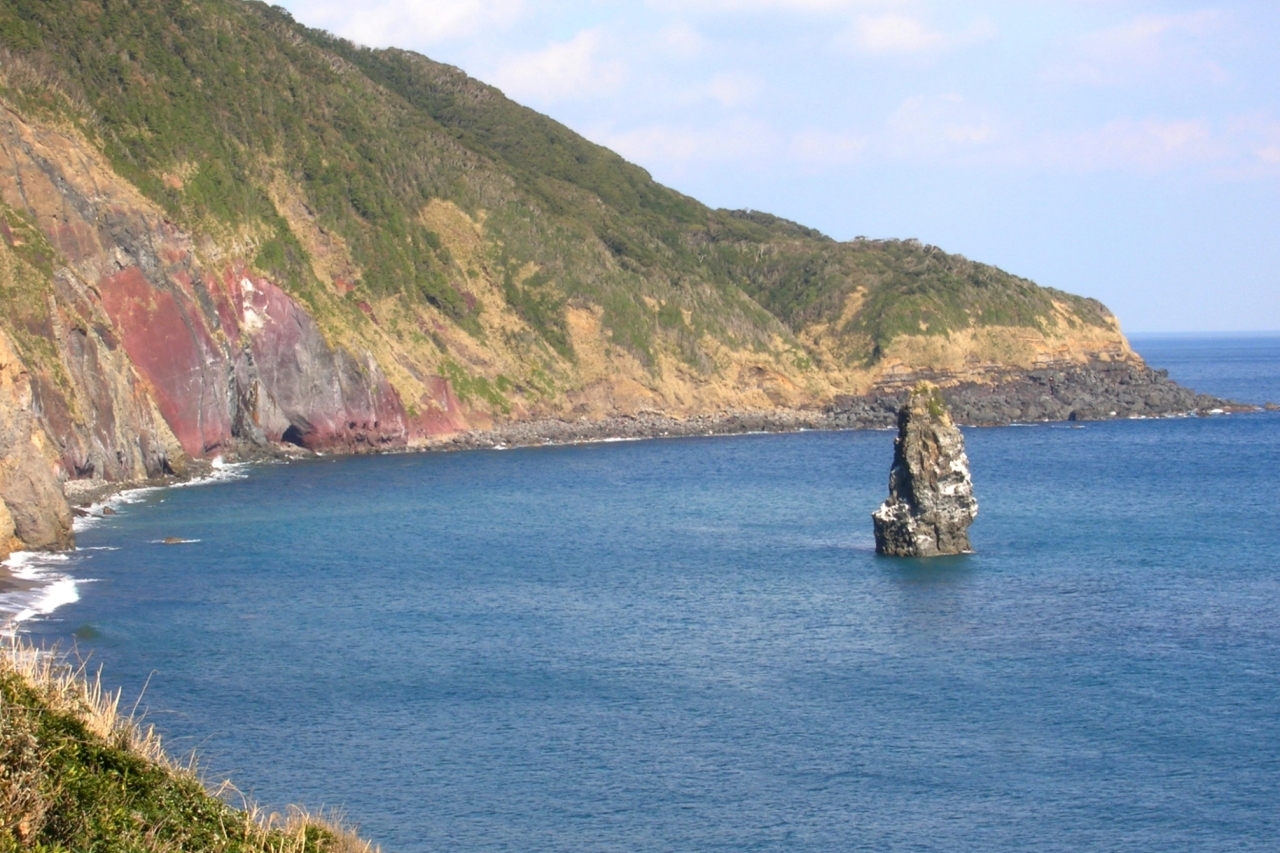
(931, 502)
(293, 436)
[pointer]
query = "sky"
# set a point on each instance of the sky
(1127, 150)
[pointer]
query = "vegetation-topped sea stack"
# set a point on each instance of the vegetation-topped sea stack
(931, 503)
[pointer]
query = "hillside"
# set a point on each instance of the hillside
(223, 229)
(80, 775)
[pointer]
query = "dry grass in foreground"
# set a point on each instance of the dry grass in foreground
(77, 774)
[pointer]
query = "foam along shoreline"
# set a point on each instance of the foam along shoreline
(93, 500)
(34, 584)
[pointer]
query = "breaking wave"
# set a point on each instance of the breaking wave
(34, 584)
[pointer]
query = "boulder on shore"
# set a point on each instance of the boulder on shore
(931, 502)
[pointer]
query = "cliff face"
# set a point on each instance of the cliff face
(220, 230)
(33, 513)
(139, 355)
(217, 351)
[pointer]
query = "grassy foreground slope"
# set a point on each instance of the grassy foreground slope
(76, 774)
(423, 217)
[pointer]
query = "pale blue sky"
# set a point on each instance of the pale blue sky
(1123, 149)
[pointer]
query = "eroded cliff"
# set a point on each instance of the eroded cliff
(222, 231)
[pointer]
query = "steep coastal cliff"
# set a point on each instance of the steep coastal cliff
(222, 230)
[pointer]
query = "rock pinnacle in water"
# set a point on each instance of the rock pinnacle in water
(931, 502)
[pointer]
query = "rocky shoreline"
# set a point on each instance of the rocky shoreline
(1077, 393)
(1092, 392)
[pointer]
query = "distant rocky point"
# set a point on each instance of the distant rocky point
(931, 502)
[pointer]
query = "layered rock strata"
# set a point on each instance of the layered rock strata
(128, 358)
(33, 513)
(931, 502)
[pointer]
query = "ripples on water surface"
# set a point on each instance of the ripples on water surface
(690, 644)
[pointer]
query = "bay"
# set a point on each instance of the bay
(690, 644)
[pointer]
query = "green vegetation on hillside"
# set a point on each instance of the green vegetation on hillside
(26, 264)
(909, 287)
(77, 775)
(210, 106)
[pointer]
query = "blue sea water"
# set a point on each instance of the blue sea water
(690, 645)
(1245, 369)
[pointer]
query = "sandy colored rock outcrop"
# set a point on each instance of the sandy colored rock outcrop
(33, 512)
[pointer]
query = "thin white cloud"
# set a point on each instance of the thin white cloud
(732, 89)
(1259, 140)
(404, 23)
(793, 6)
(674, 147)
(1142, 145)
(822, 150)
(683, 41)
(940, 124)
(1143, 46)
(744, 143)
(571, 70)
(949, 130)
(896, 33)
(1143, 32)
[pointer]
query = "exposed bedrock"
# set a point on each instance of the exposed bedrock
(1079, 392)
(931, 502)
(168, 355)
(1095, 391)
(33, 511)
(321, 397)
(130, 353)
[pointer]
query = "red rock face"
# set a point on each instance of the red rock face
(321, 398)
(170, 346)
(274, 378)
(247, 362)
(144, 333)
(156, 359)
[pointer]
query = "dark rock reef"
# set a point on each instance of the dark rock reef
(931, 503)
(1070, 392)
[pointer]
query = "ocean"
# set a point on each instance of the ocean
(690, 644)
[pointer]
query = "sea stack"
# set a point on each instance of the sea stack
(931, 503)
